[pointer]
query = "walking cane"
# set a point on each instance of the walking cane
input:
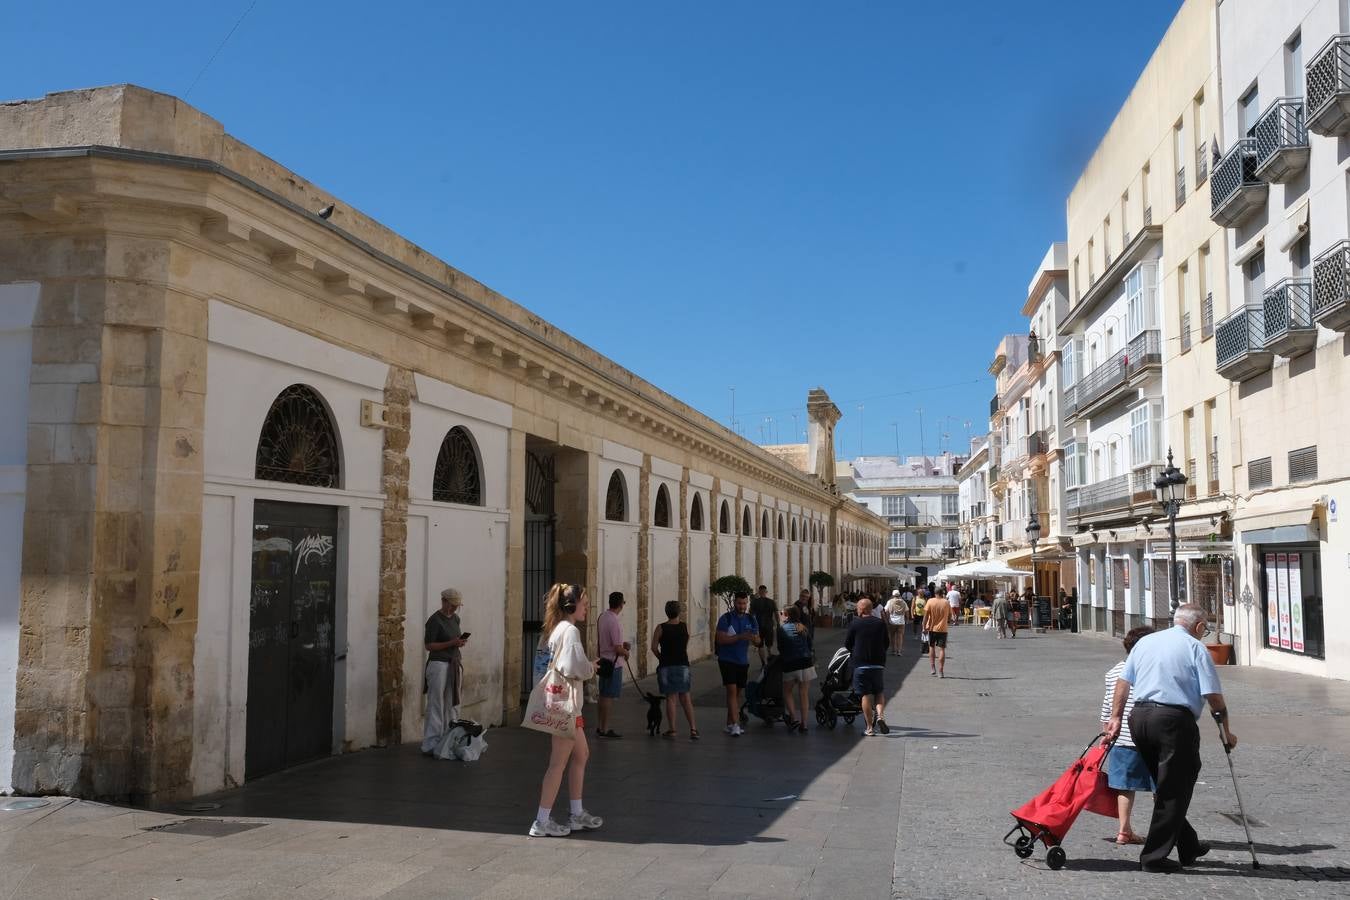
(1228, 754)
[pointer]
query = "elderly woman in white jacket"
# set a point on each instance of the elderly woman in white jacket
(564, 607)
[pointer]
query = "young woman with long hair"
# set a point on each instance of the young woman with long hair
(565, 607)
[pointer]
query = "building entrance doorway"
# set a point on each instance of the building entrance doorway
(292, 599)
(540, 558)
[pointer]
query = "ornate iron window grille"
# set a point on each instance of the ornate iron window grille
(616, 503)
(696, 513)
(298, 443)
(539, 481)
(724, 519)
(661, 515)
(458, 478)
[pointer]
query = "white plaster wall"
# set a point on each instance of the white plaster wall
(699, 587)
(665, 556)
(618, 572)
(17, 303)
(244, 375)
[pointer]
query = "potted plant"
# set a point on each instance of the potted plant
(819, 581)
(1221, 653)
(728, 586)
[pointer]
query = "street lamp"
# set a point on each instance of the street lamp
(985, 545)
(1034, 535)
(1170, 485)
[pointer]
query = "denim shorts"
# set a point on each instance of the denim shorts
(612, 686)
(671, 680)
(1125, 770)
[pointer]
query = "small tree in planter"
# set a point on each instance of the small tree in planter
(820, 581)
(728, 586)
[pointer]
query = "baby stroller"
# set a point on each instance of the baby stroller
(1049, 816)
(764, 693)
(837, 700)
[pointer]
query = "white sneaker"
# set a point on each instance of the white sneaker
(584, 821)
(737, 731)
(550, 828)
(731, 730)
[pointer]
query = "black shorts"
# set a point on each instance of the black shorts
(937, 638)
(868, 681)
(734, 673)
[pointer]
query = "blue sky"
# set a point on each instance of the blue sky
(770, 196)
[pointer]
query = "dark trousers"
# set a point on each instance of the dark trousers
(1169, 741)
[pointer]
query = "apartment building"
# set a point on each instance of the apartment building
(1129, 220)
(919, 498)
(978, 515)
(1280, 192)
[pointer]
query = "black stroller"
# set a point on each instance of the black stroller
(764, 694)
(837, 700)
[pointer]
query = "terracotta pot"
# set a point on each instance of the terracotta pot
(1220, 653)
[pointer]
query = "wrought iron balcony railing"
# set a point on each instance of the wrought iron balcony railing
(1213, 472)
(1331, 288)
(1185, 332)
(1234, 190)
(1148, 216)
(1289, 324)
(1239, 344)
(1181, 186)
(1207, 316)
(1102, 382)
(1328, 79)
(1281, 141)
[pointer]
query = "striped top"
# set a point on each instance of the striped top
(1112, 675)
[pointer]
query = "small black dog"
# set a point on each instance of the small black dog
(654, 702)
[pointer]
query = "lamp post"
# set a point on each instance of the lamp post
(1170, 485)
(985, 545)
(1034, 535)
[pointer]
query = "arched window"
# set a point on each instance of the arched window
(616, 498)
(661, 515)
(724, 519)
(696, 513)
(458, 477)
(782, 527)
(764, 525)
(747, 524)
(298, 443)
(794, 529)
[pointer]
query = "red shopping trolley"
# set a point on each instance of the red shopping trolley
(1049, 816)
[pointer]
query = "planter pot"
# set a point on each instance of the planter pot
(1220, 653)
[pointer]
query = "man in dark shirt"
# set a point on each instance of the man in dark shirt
(765, 610)
(867, 643)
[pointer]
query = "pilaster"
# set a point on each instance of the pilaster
(399, 390)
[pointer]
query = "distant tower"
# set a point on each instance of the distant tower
(822, 415)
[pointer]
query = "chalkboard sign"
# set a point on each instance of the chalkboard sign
(1043, 615)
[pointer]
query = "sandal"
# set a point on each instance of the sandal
(669, 735)
(1128, 837)
(693, 734)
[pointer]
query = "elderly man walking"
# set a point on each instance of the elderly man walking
(1173, 677)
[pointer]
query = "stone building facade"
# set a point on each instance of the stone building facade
(245, 447)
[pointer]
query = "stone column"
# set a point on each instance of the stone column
(736, 530)
(112, 522)
(713, 562)
(759, 548)
(774, 582)
(644, 564)
(515, 574)
(399, 390)
(578, 530)
(682, 576)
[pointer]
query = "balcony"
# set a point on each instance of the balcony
(1207, 317)
(1329, 88)
(1331, 288)
(1235, 193)
(1240, 345)
(1103, 384)
(1201, 164)
(951, 552)
(1281, 141)
(1181, 186)
(993, 405)
(1213, 472)
(1288, 309)
(1185, 332)
(1125, 495)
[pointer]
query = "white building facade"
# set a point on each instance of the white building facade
(919, 499)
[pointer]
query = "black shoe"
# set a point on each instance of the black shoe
(882, 726)
(1161, 867)
(1200, 850)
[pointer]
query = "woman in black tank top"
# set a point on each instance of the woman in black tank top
(670, 645)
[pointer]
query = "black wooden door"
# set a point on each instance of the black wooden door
(291, 614)
(540, 566)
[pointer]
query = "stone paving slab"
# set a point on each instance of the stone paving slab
(918, 813)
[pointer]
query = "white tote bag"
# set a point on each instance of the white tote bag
(552, 708)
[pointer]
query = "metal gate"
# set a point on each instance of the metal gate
(540, 573)
(290, 647)
(1206, 590)
(1118, 570)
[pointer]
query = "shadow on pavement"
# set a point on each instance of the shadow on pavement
(650, 790)
(1272, 849)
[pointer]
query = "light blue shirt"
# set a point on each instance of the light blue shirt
(1172, 667)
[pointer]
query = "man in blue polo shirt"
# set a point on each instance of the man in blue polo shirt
(736, 631)
(1173, 677)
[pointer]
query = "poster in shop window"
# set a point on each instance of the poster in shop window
(1296, 602)
(1282, 592)
(1272, 604)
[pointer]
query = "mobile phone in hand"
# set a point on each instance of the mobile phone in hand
(465, 635)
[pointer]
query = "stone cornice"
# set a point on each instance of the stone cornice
(344, 270)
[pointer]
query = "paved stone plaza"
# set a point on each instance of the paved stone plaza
(917, 814)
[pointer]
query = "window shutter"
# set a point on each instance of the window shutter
(1303, 464)
(1258, 473)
